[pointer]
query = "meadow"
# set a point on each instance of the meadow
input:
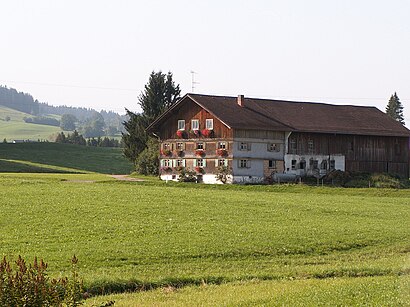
(17, 129)
(61, 158)
(212, 245)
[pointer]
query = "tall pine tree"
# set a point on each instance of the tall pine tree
(395, 109)
(159, 94)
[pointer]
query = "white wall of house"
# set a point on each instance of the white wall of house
(338, 159)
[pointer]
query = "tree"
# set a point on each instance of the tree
(147, 162)
(67, 122)
(395, 109)
(159, 94)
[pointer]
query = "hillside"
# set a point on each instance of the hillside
(61, 158)
(16, 129)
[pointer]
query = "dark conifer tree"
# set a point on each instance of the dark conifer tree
(395, 109)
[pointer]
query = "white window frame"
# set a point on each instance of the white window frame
(195, 124)
(273, 162)
(209, 124)
(180, 162)
(222, 145)
(181, 124)
(167, 163)
(180, 146)
(197, 144)
(293, 164)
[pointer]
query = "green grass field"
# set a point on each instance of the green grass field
(212, 245)
(17, 129)
(61, 158)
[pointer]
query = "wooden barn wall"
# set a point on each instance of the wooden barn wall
(363, 153)
(190, 110)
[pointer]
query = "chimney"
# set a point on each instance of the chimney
(241, 100)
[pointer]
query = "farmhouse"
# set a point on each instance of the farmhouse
(257, 138)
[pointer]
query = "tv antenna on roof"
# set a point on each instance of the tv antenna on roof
(193, 82)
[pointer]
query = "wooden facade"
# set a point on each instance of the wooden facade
(363, 153)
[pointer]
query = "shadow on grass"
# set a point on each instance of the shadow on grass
(104, 287)
(12, 166)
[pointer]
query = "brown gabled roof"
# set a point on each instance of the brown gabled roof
(296, 116)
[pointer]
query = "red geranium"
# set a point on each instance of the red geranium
(207, 133)
(222, 152)
(200, 152)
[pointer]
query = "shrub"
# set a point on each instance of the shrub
(186, 175)
(30, 285)
(223, 173)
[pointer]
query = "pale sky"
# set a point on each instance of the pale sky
(99, 53)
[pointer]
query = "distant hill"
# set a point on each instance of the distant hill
(43, 113)
(13, 127)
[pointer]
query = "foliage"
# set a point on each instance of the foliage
(187, 175)
(42, 120)
(395, 109)
(9, 97)
(159, 94)
(31, 286)
(147, 162)
(103, 142)
(74, 138)
(67, 122)
(94, 126)
(223, 173)
(134, 138)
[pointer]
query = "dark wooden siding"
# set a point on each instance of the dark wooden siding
(363, 153)
(188, 111)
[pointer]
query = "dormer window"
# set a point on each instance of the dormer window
(209, 123)
(195, 124)
(181, 124)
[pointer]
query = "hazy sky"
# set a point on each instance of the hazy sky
(99, 53)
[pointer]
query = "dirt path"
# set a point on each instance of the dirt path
(125, 178)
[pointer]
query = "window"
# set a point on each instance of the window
(181, 124)
(311, 146)
(293, 164)
(166, 146)
(200, 162)
(167, 162)
(222, 145)
(200, 146)
(323, 165)
(244, 163)
(332, 164)
(222, 162)
(302, 164)
(244, 146)
(209, 124)
(180, 146)
(272, 163)
(180, 162)
(195, 124)
(273, 147)
(293, 146)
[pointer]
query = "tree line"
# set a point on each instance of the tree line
(11, 98)
(78, 139)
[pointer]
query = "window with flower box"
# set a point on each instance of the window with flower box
(244, 163)
(221, 162)
(180, 146)
(181, 124)
(166, 146)
(167, 162)
(209, 124)
(222, 145)
(195, 124)
(180, 163)
(200, 145)
(199, 162)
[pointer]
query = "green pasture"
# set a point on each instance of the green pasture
(61, 158)
(188, 241)
(17, 129)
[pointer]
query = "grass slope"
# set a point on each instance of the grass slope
(130, 235)
(16, 128)
(54, 157)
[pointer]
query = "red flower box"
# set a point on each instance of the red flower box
(207, 133)
(179, 153)
(166, 152)
(199, 170)
(166, 169)
(200, 152)
(181, 134)
(222, 152)
(196, 133)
